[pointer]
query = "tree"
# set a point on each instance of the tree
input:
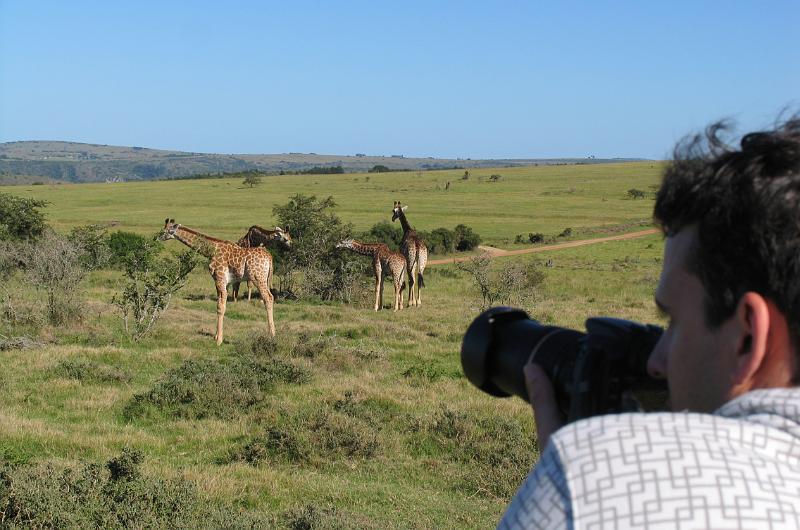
(252, 179)
(20, 218)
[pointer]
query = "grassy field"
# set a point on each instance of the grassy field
(361, 419)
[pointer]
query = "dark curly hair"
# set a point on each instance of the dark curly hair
(745, 203)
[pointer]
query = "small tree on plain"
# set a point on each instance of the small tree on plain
(252, 179)
(149, 288)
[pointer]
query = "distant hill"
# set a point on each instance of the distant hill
(77, 162)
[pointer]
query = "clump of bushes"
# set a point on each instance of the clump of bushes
(55, 266)
(218, 388)
(314, 268)
(347, 428)
(439, 240)
(20, 218)
(499, 451)
(510, 283)
(117, 495)
(83, 369)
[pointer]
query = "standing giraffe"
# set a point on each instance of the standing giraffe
(382, 258)
(228, 261)
(258, 237)
(416, 253)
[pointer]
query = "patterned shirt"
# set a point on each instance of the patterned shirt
(737, 468)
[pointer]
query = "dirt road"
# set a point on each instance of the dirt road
(498, 252)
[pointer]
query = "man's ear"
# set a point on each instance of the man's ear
(764, 353)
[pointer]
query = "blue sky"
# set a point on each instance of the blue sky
(445, 79)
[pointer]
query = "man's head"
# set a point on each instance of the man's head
(731, 279)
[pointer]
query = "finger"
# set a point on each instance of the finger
(543, 400)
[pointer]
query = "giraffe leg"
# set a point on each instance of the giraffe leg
(377, 269)
(249, 290)
(222, 298)
(402, 286)
(266, 296)
(411, 285)
(380, 293)
(234, 291)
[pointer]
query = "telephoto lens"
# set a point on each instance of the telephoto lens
(601, 371)
(502, 340)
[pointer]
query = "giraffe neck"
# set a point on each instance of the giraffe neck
(202, 243)
(256, 234)
(404, 222)
(364, 248)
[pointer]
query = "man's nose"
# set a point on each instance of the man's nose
(657, 363)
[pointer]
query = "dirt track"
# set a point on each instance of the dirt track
(498, 252)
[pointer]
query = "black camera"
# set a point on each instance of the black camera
(601, 371)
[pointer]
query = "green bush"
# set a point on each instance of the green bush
(20, 218)
(117, 495)
(128, 246)
(83, 369)
(93, 241)
(219, 388)
(466, 238)
(384, 232)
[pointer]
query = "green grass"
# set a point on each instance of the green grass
(544, 199)
(381, 429)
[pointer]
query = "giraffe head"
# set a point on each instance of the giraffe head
(283, 236)
(170, 227)
(397, 210)
(345, 243)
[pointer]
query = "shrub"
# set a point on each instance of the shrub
(327, 274)
(129, 247)
(150, 286)
(511, 283)
(495, 178)
(466, 238)
(498, 450)
(20, 218)
(117, 495)
(56, 266)
(93, 242)
(223, 388)
(567, 232)
(83, 369)
(440, 240)
(633, 193)
(537, 237)
(384, 232)
(379, 168)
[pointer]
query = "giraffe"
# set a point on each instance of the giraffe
(382, 259)
(228, 261)
(416, 253)
(257, 236)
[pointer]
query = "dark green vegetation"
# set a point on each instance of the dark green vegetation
(348, 418)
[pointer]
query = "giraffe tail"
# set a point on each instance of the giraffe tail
(421, 281)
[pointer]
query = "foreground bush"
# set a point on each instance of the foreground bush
(219, 388)
(116, 495)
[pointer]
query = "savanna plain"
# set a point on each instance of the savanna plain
(349, 418)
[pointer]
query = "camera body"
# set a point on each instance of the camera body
(601, 371)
